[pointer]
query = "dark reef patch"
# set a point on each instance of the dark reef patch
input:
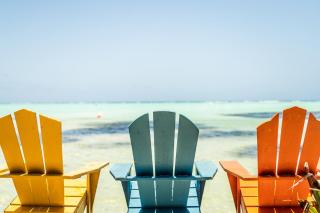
(100, 128)
(206, 131)
(232, 133)
(106, 145)
(68, 139)
(262, 114)
(253, 114)
(73, 135)
(247, 151)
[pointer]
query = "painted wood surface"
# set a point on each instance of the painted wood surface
(173, 166)
(291, 133)
(30, 141)
(36, 167)
(267, 142)
(192, 199)
(275, 181)
(141, 148)
(120, 170)
(164, 128)
(29, 137)
(267, 139)
(186, 149)
(51, 135)
(11, 151)
(74, 199)
(250, 200)
(311, 147)
(154, 178)
(206, 169)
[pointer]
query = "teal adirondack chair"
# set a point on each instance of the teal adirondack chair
(167, 184)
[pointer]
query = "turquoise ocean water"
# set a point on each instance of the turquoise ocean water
(98, 132)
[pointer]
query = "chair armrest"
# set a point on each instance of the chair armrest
(120, 171)
(5, 173)
(3, 169)
(236, 169)
(88, 170)
(206, 169)
(164, 177)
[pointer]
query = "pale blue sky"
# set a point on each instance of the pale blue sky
(159, 50)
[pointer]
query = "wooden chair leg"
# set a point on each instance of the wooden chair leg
(126, 186)
(92, 183)
(235, 189)
(200, 189)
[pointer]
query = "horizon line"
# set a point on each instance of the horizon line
(157, 101)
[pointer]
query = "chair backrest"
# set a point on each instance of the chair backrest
(284, 145)
(170, 158)
(32, 144)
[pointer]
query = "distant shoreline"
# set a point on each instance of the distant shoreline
(152, 102)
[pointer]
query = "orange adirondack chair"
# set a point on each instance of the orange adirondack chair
(279, 166)
(36, 167)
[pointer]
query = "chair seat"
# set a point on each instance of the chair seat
(250, 201)
(74, 200)
(192, 203)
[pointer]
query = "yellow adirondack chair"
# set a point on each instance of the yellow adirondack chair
(36, 167)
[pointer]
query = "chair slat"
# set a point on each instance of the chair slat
(185, 153)
(292, 127)
(311, 147)
(52, 145)
(39, 190)
(266, 190)
(11, 151)
(186, 146)
(283, 194)
(55, 191)
(23, 190)
(267, 136)
(29, 136)
(52, 150)
(141, 148)
(10, 146)
(164, 127)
